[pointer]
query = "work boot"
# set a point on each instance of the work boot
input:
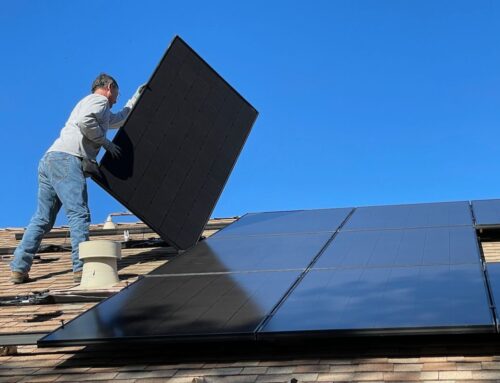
(77, 276)
(17, 277)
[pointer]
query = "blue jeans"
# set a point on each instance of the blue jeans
(60, 183)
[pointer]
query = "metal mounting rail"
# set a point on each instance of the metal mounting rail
(21, 339)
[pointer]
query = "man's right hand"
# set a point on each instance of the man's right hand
(113, 149)
(133, 100)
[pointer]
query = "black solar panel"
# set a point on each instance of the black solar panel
(487, 212)
(180, 307)
(179, 146)
(420, 299)
(493, 270)
(408, 216)
(280, 252)
(403, 247)
(287, 222)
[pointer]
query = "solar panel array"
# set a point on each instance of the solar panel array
(178, 146)
(408, 269)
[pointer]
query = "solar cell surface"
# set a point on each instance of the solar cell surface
(178, 146)
(179, 307)
(410, 216)
(228, 254)
(287, 222)
(402, 247)
(398, 300)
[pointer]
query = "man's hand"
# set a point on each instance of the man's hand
(113, 149)
(135, 97)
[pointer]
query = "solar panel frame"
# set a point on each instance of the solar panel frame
(493, 275)
(178, 147)
(486, 213)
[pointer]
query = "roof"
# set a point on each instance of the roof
(449, 359)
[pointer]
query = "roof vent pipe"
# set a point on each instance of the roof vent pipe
(99, 263)
(109, 224)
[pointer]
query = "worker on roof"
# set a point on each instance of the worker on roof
(62, 171)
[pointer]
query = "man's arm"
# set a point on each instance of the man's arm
(90, 127)
(88, 122)
(116, 120)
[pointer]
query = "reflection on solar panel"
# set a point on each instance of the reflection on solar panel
(275, 252)
(487, 212)
(289, 222)
(387, 300)
(180, 307)
(179, 146)
(408, 269)
(404, 247)
(408, 216)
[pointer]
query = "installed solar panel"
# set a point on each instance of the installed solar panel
(420, 299)
(487, 212)
(403, 247)
(493, 270)
(179, 307)
(248, 254)
(287, 222)
(408, 216)
(179, 146)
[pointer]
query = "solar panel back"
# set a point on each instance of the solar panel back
(179, 146)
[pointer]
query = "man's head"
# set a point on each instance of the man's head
(107, 86)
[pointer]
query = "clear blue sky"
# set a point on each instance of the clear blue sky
(361, 102)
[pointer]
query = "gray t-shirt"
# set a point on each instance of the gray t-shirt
(85, 131)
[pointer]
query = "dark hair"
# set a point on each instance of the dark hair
(102, 81)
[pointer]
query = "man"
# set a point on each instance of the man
(61, 178)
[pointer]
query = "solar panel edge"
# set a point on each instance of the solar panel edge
(177, 336)
(217, 73)
(43, 342)
(486, 219)
(152, 226)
